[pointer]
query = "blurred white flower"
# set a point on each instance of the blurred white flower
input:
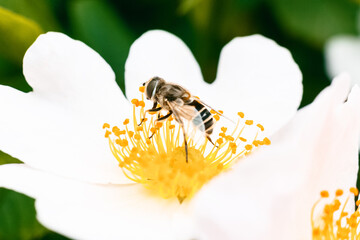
(342, 54)
(82, 193)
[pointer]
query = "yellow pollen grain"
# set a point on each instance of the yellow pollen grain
(248, 147)
(357, 202)
(116, 132)
(135, 102)
(324, 194)
(260, 126)
(266, 141)
(137, 136)
(159, 163)
(230, 138)
(107, 133)
(339, 192)
(124, 143)
(141, 103)
(354, 191)
(106, 125)
(220, 141)
(249, 122)
(241, 114)
(131, 134)
(115, 129)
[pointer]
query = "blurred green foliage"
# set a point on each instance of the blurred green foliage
(110, 26)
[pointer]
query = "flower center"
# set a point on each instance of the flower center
(159, 162)
(335, 222)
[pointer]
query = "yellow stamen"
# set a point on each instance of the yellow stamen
(260, 126)
(241, 114)
(324, 194)
(160, 163)
(334, 222)
(249, 122)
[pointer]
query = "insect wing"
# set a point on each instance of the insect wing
(207, 105)
(190, 119)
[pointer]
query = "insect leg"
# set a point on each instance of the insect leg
(165, 117)
(153, 109)
(208, 137)
(161, 119)
(185, 142)
(178, 119)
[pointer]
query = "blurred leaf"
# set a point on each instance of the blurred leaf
(248, 4)
(37, 10)
(316, 20)
(17, 220)
(6, 158)
(97, 25)
(11, 75)
(18, 33)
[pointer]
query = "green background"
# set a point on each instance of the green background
(110, 27)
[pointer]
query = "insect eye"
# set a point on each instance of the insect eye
(143, 84)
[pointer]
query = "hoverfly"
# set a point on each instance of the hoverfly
(181, 104)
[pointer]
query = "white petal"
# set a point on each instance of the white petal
(342, 54)
(270, 194)
(58, 126)
(159, 53)
(258, 77)
(94, 211)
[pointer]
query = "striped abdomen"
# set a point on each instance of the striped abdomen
(205, 115)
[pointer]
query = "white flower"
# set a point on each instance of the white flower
(81, 192)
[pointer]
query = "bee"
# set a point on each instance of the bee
(179, 102)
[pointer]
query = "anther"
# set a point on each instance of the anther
(107, 133)
(354, 191)
(266, 141)
(248, 147)
(141, 103)
(324, 194)
(249, 122)
(339, 192)
(260, 126)
(106, 125)
(135, 102)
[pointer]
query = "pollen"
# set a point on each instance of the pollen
(153, 153)
(334, 222)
